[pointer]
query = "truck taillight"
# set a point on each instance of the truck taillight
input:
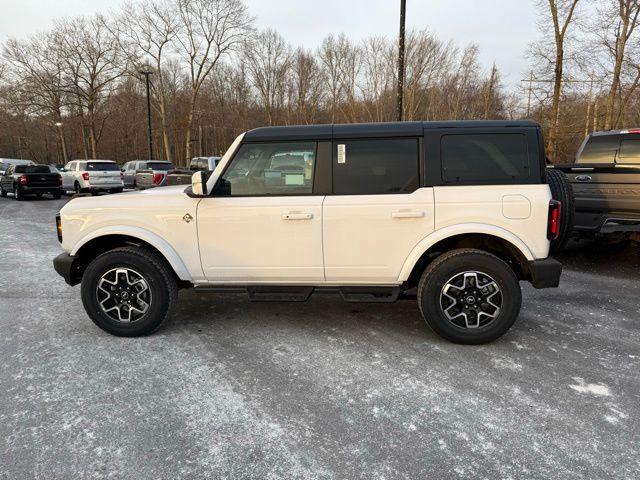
(59, 180)
(121, 175)
(23, 180)
(553, 225)
(85, 175)
(157, 178)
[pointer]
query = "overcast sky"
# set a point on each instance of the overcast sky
(502, 28)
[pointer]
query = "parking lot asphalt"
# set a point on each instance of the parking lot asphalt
(323, 389)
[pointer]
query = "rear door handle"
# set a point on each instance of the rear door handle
(297, 216)
(583, 178)
(406, 214)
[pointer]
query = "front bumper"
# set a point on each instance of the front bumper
(545, 273)
(69, 268)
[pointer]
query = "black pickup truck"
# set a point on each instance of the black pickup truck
(22, 180)
(606, 183)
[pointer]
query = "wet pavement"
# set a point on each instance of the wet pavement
(324, 389)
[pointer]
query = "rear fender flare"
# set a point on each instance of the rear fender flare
(468, 228)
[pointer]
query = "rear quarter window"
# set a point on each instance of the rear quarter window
(629, 151)
(487, 158)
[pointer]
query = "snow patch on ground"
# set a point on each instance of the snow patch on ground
(592, 388)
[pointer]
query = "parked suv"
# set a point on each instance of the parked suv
(453, 213)
(92, 176)
(204, 163)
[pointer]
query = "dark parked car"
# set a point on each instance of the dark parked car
(606, 183)
(22, 180)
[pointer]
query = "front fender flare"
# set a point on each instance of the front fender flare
(167, 251)
(448, 232)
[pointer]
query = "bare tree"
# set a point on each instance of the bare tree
(619, 21)
(37, 70)
(146, 30)
(268, 57)
(209, 30)
(91, 60)
(562, 14)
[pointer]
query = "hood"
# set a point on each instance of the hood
(153, 197)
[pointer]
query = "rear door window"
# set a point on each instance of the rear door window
(487, 158)
(375, 166)
(629, 151)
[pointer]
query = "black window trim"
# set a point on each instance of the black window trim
(419, 159)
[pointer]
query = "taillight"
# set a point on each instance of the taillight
(121, 175)
(59, 227)
(553, 225)
(23, 180)
(59, 180)
(85, 175)
(157, 178)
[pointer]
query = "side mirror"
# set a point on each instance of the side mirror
(199, 184)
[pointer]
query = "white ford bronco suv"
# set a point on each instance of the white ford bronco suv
(453, 213)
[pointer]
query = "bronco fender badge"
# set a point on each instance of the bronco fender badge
(187, 218)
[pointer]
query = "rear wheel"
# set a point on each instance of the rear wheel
(129, 291)
(17, 193)
(2, 192)
(469, 296)
(76, 188)
(562, 191)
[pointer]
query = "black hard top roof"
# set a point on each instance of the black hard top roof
(361, 130)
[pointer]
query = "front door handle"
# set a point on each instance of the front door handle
(297, 216)
(583, 178)
(406, 214)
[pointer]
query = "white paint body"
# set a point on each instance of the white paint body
(309, 240)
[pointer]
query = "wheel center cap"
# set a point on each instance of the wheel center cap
(125, 295)
(470, 300)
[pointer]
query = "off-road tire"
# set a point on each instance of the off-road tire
(449, 264)
(562, 191)
(156, 272)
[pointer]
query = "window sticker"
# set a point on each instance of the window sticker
(341, 153)
(294, 179)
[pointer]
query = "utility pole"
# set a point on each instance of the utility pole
(147, 72)
(529, 96)
(403, 9)
(588, 116)
(63, 142)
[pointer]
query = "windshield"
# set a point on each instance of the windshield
(32, 169)
(160, 165)
(102, 166)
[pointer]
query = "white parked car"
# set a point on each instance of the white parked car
(93, 176)
(455, 213)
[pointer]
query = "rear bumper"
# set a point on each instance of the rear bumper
(103, 186)
(26, 189)
(68, 267)
(545, 273)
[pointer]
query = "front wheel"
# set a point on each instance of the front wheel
(469, 296)
(129, 291)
